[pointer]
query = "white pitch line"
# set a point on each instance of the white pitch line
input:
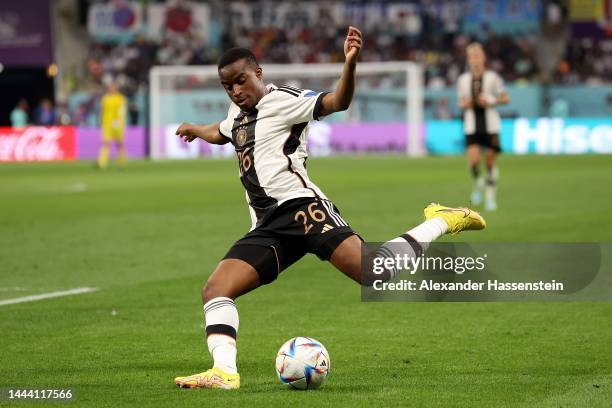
(33, 298)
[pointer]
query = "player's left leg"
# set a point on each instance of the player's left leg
(472, 152)
(231, 278)
(492, 176)
(253, 261)
(439, 220)
(122, 158)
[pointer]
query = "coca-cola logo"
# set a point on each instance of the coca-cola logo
(37, 144)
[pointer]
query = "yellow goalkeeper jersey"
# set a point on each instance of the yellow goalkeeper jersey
(113, 107)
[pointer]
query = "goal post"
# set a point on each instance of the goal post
(386, 113)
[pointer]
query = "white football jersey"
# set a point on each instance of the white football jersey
(491, 88)
(270, 142)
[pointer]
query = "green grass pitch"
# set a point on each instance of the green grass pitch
(149, 236)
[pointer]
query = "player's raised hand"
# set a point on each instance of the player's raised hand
(352, 44)
(187, 132)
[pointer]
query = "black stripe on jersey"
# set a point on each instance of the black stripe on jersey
(293, 141)
(479, 112)
(245, 148)
(293, 88)
(291, 145)
(288, 91)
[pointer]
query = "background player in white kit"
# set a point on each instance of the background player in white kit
(478, 92)
(290, 215)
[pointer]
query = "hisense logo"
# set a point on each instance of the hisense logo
(555, 136)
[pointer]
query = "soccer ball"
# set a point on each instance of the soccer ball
(302, 363)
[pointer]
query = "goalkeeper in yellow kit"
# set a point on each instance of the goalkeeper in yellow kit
(112, 118)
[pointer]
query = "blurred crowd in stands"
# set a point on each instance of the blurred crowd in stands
(433, 37)
(587, 61)
(45, 114)
(431, 34)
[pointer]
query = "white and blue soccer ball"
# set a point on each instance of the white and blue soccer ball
(302, 363)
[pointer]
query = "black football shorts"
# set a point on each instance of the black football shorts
(490, 140)
(295, 228)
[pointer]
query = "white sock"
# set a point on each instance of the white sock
(222, 322)
(428, 231)
(490, 194)
(491, 188)
(478, 184)
(223, 350)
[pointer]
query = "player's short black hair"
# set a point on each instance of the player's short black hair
(235, 54)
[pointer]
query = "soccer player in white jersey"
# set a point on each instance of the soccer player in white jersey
(479, 91)
(290, 215)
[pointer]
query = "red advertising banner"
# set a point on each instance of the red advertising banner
(37, 143)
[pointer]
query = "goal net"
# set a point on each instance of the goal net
(385, 116)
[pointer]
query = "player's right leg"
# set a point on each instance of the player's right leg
(330, 237)
(231, 278)
(473, 158)
(439, 220)
(105, 149)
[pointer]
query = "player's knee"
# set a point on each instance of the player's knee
(209, 291)
(216, 287)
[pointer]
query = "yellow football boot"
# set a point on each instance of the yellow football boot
(213, 378)
(458, 219)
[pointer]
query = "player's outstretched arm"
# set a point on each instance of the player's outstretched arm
(189, 132)
(340, 99)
